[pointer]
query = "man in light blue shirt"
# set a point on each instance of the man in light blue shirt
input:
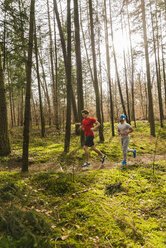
(124, 129)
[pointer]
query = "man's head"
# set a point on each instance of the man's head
(85, 113)
(122, 118)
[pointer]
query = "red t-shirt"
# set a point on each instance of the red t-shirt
(87, 125)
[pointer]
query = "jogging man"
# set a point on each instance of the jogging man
(124, 129)
(88, 125)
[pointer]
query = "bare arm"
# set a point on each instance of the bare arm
(97, 124)
(129, 131)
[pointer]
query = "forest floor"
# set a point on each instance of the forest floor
(60, 204)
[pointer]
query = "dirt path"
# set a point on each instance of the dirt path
(95, 165)
(143, 159)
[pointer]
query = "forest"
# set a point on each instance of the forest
(108, 59)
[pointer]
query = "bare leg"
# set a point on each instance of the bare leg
(97, 151)
(86, 153)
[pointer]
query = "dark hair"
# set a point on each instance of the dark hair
(85, 111)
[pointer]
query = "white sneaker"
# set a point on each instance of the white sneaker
(86, 164)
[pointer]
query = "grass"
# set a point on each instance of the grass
(121, 207)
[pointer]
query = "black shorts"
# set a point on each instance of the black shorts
(89, 140)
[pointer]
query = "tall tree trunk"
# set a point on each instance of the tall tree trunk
(132, 70)
(4, 136)
(116, 66)
(4, 42)
(164, 75)
(68, 79)
(22, 106)
(39, 87)
(159, 74)
(52, 63)
(100, 64)
(56, 79)
(28, 92)
(142, 100)
(151, 113)
(96, 87)
(65, 59)
(45, 88)
(108, 69)
(79, 65)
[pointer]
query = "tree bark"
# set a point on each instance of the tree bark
(96, 87)
(28, 92)
(79, 66)
(116, 66)
(151, 113)
(68, 79)
(4, 136)
(108, 69)
(39, 87)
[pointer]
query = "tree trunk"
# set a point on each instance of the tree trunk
(56, 80)
(28, 92)
(4, 136)
(52, 63)
(68, 79)
(65, 59)
(96, 87)
(151, 113)
(159, 74)
(45, 88)
(79, 66)
(39, 87)
(132, 71)
(108, 70)
(116, 66)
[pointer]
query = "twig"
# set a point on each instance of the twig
(109, 243)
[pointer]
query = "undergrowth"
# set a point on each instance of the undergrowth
(121, 207)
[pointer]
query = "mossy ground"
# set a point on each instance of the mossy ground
(121, 207)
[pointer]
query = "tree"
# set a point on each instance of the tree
(39, 87)
(96, 87)
(28, 92)
(4, 136)
(68, 79)
(108, 69)
(151, 113)
(79, 65)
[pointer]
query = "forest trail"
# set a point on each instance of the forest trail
(96, 165)
(54, 166)
(141, 159)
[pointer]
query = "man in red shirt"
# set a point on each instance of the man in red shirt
(87, 125)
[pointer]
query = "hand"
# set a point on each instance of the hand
(92, 129)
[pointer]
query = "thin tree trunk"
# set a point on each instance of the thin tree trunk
(132, 71)
(142, 100)
(159, 74)
(22, 106)
(100, 66)
(45, 88)
(68, 79)
(39, 87)
(79, 66)
(56, 79)
(4, 136)
(96, 87)
(108, 69)
(52, 63)
(116, 66)
(151, 113)
(28, 92)
(65, 59)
